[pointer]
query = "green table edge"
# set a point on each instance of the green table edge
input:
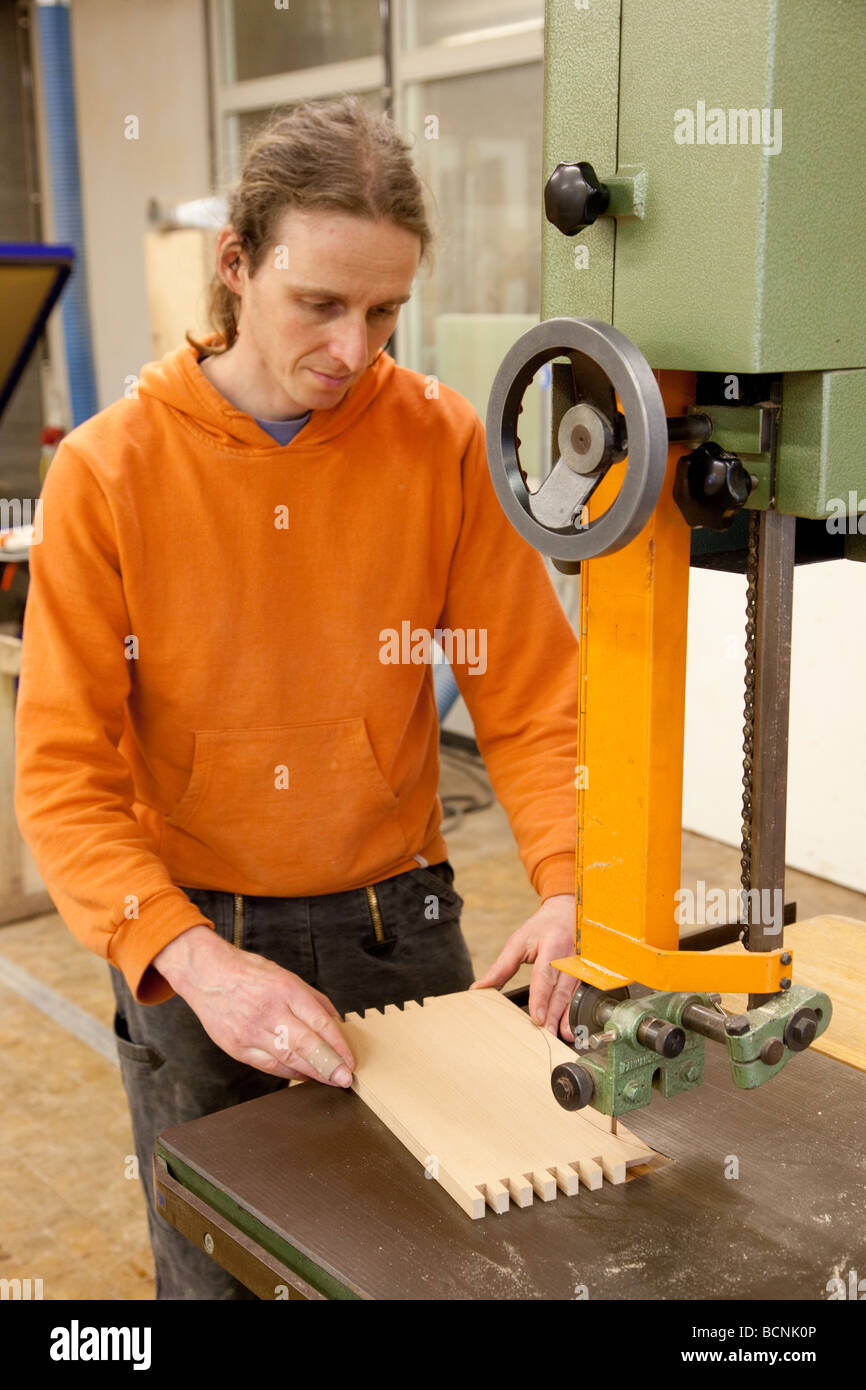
(292, 1258)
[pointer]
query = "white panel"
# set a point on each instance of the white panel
(827, 750)
(148, 61)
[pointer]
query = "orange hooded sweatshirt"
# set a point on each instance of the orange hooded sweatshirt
(225, 681)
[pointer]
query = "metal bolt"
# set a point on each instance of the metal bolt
(208, 1242)
(736, 1025)
(801, 1030)
(785, 958)
(691, 1074)
(631, 1091)
(784, 983)
(772, 1051)
(599, 1039)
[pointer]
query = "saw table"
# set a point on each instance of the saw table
(306, 1194)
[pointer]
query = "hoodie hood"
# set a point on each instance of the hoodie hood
(179, 383)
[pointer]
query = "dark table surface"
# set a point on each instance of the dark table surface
(316, 1166)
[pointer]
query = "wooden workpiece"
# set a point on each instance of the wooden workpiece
(829, 953)
(463, 1081)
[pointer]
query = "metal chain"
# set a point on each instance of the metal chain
(749, 708)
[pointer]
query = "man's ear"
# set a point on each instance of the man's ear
(231, 260)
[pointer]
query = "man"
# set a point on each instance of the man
(225, 773)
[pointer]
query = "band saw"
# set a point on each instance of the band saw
(683, 436)
(619, 504)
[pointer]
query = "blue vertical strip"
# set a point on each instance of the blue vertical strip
(62, 136)
(445, 688)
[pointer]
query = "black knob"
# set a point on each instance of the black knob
(711, 486)
(772, 1052)
(574, 197)
(572, 1085)
(801, 1029)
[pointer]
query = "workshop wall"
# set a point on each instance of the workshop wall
(826, 828)
(148, 62)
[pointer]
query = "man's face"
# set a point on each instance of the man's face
(323, 302)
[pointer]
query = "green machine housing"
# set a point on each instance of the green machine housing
(736, 257)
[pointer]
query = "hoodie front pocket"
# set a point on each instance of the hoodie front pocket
(295, 809)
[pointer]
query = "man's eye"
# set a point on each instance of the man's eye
(384, 311)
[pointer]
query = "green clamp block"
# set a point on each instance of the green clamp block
(768, 1026)
(627, 189)
(627, 1074)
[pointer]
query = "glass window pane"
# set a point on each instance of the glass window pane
(262, 40)
(477, 144)
(427, 23)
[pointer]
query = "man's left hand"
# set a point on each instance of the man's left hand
(547, 935)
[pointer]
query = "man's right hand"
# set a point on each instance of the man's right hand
(255, 1011)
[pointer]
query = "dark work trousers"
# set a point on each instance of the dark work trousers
(173, 1072)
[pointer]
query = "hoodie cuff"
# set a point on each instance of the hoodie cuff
(136, 942)
(555, 874)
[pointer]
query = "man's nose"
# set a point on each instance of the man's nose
(349, 345)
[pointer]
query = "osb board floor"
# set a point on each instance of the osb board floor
(68, 1213)
(829, 953)
(462, 1080)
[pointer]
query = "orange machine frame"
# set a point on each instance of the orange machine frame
(633, 623)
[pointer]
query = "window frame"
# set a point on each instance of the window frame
(409, 67)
